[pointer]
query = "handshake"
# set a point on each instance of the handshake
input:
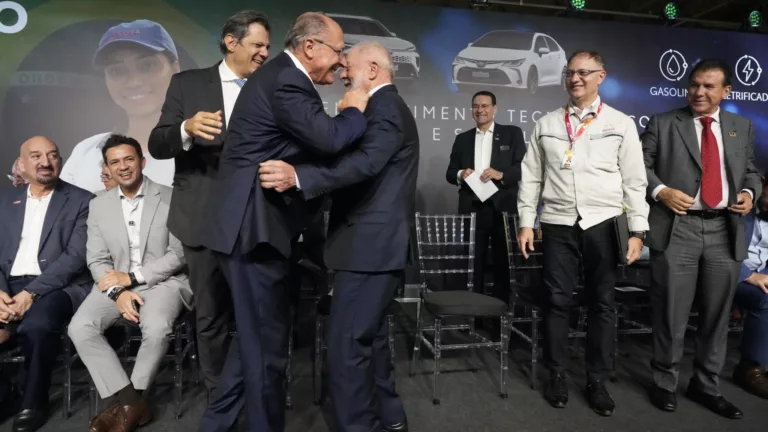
(356, 98)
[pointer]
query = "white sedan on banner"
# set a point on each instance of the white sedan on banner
(361, 28)
(512, 59)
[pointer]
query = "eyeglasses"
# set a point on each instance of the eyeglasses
(583, 73)
(338, 52)
(105, 177)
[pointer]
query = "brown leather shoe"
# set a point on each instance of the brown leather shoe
(122, 418)
(752, 380)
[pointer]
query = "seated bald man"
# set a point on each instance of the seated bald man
(43, 274)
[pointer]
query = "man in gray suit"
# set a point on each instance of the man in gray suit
(139, 269)
(702, 180)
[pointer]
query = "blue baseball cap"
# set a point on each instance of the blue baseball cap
(143, 32)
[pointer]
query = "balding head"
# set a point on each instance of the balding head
(317, 42)
(40, 162)
(367, 65)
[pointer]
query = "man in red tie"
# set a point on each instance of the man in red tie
(702, 180)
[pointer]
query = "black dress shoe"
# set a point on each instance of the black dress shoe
(599, 399)
(663, 399)
(716, 404)
(397, 427)
(556, 392)
(29, 420)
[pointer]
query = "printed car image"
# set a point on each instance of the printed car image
(511, 59)
(361, 28)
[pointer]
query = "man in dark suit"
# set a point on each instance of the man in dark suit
(279, 114)
(43, 273)
(702, 180)
(495, 151)
(373, 191)
(191, 130)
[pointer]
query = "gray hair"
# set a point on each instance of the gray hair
(306, 26)
(375, 51)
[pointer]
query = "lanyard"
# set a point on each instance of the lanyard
(573, 138)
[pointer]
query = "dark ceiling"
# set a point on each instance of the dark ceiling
(719, 14)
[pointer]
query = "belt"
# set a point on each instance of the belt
(17, 278)
(708, 214)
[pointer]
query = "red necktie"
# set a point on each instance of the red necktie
(711, 182)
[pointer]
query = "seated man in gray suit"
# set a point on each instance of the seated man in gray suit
(139, 269)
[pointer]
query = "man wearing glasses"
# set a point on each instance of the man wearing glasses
(585, 159)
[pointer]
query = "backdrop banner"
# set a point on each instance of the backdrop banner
(52, 82)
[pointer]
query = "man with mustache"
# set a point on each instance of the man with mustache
(43, 273)
(702, 180)
(253, 231)
(372, 191)
(191, 131)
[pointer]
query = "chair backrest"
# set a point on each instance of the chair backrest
(446, 246)
(521, 270)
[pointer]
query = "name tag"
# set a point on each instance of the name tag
(504, 148)
(567, 162)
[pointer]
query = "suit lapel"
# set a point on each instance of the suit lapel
(470, 152)
(730, 145)
(58, 200)
(116, 221)
(18, 206)
(496, 145)
(687, 133)
(214, 84)
(151, 201)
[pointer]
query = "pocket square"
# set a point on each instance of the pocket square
(503, 148)
(17, 202)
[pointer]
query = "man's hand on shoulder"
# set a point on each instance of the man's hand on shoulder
(356, 98)
(204, 125)
(277, 175)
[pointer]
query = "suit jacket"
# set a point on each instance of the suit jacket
(189, 92)
(673, 158)
(61, 254)
(508, 150)
(278, 115)
(373, 190)
(162, 256)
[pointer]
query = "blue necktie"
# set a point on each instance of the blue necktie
(240, 81)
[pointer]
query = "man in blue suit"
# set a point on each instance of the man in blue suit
(43, 273)
(752, 298)
(372, 190)
(278, 115)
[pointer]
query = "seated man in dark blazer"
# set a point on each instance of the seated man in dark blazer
(43, 274)
(496, 152)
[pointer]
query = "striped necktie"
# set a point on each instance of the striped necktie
(241, 81)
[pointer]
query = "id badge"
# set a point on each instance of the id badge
(567, 162)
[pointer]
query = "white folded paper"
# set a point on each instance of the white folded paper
(482, 190)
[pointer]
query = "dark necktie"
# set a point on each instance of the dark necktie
(711, 182)
(241, 81)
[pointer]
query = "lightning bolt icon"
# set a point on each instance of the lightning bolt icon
(748, 70)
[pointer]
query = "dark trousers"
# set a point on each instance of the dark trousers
(362, 379)
(754, 339)
(39, 334)
(565, 248)
(697, 265)
(260, 284)
(490, 229)
(213, 310)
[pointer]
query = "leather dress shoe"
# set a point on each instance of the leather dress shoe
(397, 427)
(29, 420)
(122, 418)
(716, 404)
(556, 392)
(599, 399)
(752, 380)
(663, 399)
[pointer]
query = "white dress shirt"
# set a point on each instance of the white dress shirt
(132, 210)
(301, 67)
(26, 261)
(717, 130)
(229, 89)
(483, 149)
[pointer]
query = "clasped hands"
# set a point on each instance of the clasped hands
(679, 202)
(485, 176)
(13, 308)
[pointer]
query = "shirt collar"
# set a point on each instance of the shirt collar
(490, 129)
(715, 116)
(580, 113)
(375, 89)
(226, 73)
(140, 193)
(29, 194)
(299, 65)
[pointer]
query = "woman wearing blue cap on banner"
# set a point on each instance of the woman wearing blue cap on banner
(138, 59)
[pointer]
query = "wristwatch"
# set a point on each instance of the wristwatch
(638, 234)
(134, 282)
(35, 296)
(115, 293)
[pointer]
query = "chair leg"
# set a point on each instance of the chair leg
(317, 369)
(504, 355)
(416, 340)
(192, 343)
(289, 369)
(67, 378)
(391, 337)
(177, 376)
(472, 324)
(93, 400)
(614, 377)
(534, 348)
(436, 373)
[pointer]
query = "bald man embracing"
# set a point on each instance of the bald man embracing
(372, 190)
(43, 273)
